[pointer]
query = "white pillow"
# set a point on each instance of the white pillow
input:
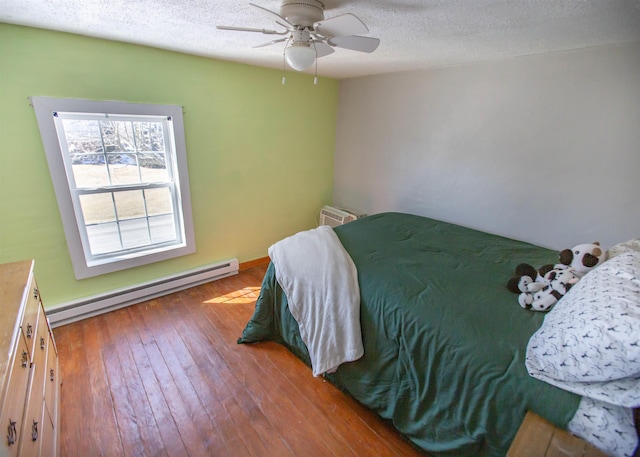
(593, 332)
(621, 248)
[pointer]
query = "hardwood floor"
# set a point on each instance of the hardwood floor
(166, 378)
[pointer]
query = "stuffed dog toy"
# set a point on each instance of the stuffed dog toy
(583, 258)
(542, 295)
(540, 289)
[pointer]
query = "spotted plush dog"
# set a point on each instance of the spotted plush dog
(559, 282)
(583, 258)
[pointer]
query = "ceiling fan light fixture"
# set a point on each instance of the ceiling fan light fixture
(309, 35)
(300, 56)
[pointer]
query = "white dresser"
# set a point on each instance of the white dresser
(29, 378)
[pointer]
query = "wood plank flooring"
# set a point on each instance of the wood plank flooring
(166, 378)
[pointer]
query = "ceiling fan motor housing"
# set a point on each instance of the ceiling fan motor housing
(302, 13)
(301, 36)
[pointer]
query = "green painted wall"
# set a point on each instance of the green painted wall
(260, 154)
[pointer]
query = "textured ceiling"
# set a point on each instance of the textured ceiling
(414, 34)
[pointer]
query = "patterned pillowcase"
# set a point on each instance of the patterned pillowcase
(621, 248)
(593, 332)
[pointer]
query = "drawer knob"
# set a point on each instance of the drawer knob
(36, 293)
(25, 359)
(51, 375)
(12, 433)
(29, 330)
(34, 431)
(42, 343)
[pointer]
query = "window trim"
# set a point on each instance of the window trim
(44, 108)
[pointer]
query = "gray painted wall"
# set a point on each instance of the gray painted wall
(542, 148)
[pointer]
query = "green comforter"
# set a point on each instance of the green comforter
(444, 339)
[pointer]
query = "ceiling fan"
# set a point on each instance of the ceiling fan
(308, 35)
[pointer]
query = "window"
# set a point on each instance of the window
(119, 171)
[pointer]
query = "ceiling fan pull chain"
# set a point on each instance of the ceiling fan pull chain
(284, 63)
(315, 77)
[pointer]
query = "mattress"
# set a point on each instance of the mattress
(444, 339)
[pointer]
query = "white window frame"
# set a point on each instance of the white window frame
(85, 264)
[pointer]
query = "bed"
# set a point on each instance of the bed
(444, 341)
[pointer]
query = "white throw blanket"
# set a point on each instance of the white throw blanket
(321, 284)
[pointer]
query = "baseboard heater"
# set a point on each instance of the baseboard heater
(67, 313)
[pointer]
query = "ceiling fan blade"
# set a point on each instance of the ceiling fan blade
(356, 43)
(248, 29)
(343, 25)
(322, 48)
(271, 42)
(275, 17)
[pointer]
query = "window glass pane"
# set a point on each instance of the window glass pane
(129, 204)
(149, 136)
(83, 137)
(97, 208)
(103, 238)
(135, 233)
(117, 136)
(89, 170)
(158, 201)
(162, 228)
(111, 152)
(153, 167)
(123, 169)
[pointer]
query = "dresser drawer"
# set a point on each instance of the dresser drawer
(34, 407)
(42, 334)
(48, 443)
(51, 377)
(29, 322)
(13, 406)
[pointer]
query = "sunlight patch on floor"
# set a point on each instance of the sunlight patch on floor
(240, 296)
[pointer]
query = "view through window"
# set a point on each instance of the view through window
(122, 178)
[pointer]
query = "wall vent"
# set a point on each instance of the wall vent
(67, 313)
(334, 216)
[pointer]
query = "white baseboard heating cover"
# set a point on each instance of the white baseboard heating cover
(67, 313)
